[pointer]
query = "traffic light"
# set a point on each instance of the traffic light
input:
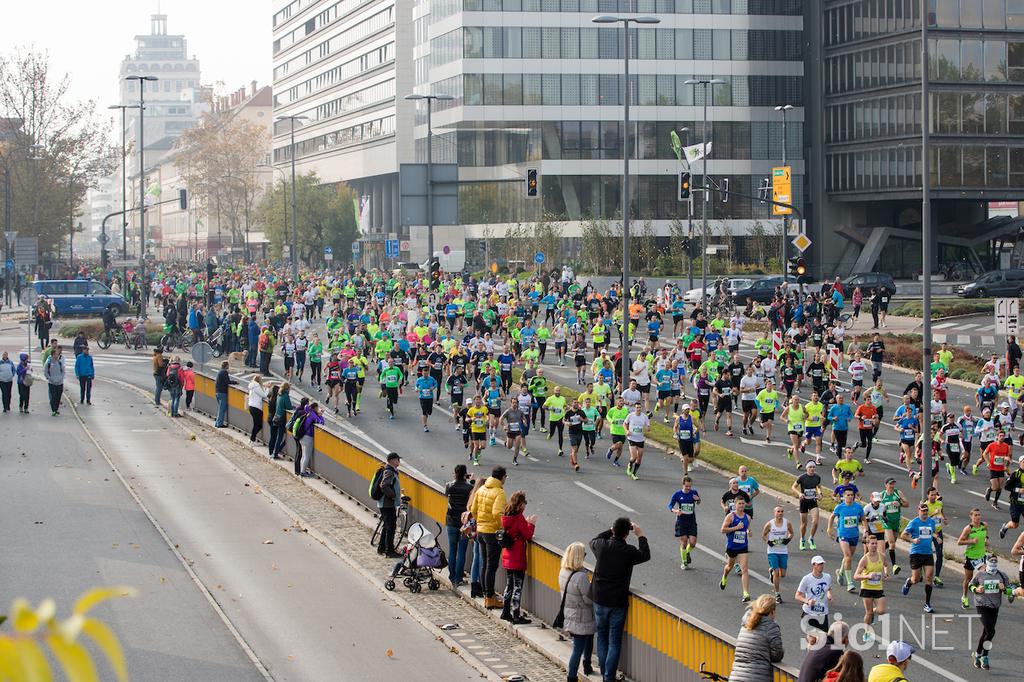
(801, 267)
(792, 266)
(183, 199)
(799, 270)
(435, 273)
(684, 186)
(532, 180)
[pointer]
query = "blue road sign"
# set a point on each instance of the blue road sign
(539, 258)
(328, 250)
(9, 264)
(391, 248)
(355, 248)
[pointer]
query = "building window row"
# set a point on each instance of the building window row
(347, 103)
(874, 67)
(891, 116)
(444, 8)
(976, 113)
(976, 61)
(339, 74)
(865, 19)
(342, 41)
(583, 197)
(515, 42)
(316, 23)
(290, 10)
(960, 166)
(362, 132)
(588, 89)
(994, 14)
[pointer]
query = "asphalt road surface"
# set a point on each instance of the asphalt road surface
(74, 525)
(576, 506)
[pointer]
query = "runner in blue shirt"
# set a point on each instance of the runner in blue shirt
(685, 432)
(839, 416)
(844, 527)
(907, 427)
(663, 378)
(425, 387)
(684, 505)
(920, 533)
(736, 528)
(505, 362)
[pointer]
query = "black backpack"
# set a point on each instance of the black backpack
(376, 492)
(172, 379)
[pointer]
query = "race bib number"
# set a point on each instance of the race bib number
(513, 427)
(925, 532)
(797, 426)
(739, 537)
(998, 461)
(686, 507)
(557, 411)
(637, 430)
(810, 493)
(892, 507)
(684, 435)
(990, 586)
(849, 522)
(478, 421)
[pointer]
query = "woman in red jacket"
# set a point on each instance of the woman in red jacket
(518, 532)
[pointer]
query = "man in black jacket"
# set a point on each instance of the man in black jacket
(615, 559)
(387, 506)
(224, 380)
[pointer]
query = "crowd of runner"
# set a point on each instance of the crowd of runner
(480, 346)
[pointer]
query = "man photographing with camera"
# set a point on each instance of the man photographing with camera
(613, 569)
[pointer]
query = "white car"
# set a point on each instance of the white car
(692, 297)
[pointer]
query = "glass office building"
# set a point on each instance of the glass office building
(866, 124)
(536, 84)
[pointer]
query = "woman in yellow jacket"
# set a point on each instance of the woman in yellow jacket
(487, 508)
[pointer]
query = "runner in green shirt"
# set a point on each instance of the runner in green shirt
(616, 426)
(390, 380)
(767, 400)
(555, 406)
(892, 500)
(314, 353)
(590, 417)
(974, 539)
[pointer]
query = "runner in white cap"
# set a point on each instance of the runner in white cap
(815, 594)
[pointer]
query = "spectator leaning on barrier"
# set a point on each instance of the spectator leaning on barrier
(488, 504)
(518, 530)
(457, 492)
(759, 644)
(476, 568)
(578, 610)
(221, 387)
(615, 559)
(387, 505)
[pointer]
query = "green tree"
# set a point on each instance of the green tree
(325, 217)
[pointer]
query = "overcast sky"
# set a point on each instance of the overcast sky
(88, 39)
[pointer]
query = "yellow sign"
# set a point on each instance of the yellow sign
(802, 242)
(782, 189)
(494, 268)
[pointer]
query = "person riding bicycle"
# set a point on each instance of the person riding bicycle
(110, 319)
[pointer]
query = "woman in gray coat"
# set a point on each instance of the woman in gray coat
(579, 610)
(759, 644)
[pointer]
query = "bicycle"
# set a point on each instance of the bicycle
(176, 339)
(109, 337)
(216, 342)
(847, 320)
(401, 523)
(712, 676)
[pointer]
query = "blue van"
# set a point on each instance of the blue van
(80, 296)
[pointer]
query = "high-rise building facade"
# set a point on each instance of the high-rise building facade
(866, 120)
(536, 84)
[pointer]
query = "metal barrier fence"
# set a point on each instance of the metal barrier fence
(661, 643)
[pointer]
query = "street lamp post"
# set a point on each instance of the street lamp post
(142, 189)
(705, 188)
(124, 191)
(625, 21)
(430, 99)
(295, 231)
(784, 108)
(926, 256)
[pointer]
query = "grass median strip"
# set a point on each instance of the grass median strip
(716, 456)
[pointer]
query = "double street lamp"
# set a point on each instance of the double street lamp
(430, 99)
(626, 144)
(705, 187)
(295, 231)
(142, 188)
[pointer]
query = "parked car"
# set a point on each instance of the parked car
(868, 281)
(79, 296)
(995, 283)
(760, 290)
(692, 296)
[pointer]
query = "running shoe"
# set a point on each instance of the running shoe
(938, 582)
(964, 603)
(810, 543)
(746, 598)
(778, 598)
(906, 587)
(721, 585)
(1002, 531)
(984, 662)
(803, 544)
(896, 569)
(976, 658)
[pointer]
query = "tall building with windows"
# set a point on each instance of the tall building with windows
(865, 126)
(536, 84)
(343, 66)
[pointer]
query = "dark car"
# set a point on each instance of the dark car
(995, 283)
(868, 281)
(760, 291)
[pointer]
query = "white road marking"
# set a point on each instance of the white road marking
(963, 340)
(944, 325)
(965, 327)
(721, 557)
(939, 338)
(605, 497)
(988, 340)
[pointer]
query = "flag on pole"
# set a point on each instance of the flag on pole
(677, 146)
(695, 152)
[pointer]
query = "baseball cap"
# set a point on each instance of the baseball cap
(876, 497)
(898, 651)
(817, 559)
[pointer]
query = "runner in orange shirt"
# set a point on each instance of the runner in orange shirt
(867, 421)
(997, 454)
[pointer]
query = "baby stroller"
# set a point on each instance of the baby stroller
(420, 556)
